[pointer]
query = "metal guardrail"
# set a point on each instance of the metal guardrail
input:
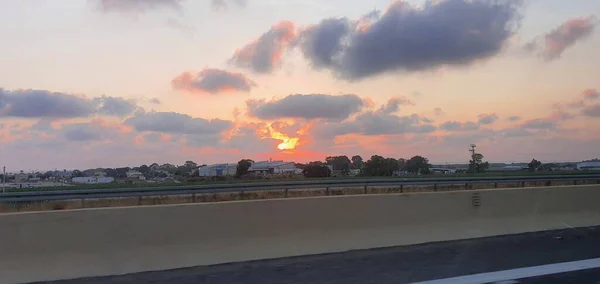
(74, 194)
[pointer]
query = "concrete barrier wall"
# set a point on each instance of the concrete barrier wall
(95, 242)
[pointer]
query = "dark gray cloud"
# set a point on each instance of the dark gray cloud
(311, 106)
(484, 119)
(408, 39)
(115, 106)
(514, 118)
(324, 43)
(459, 126)
(393, 104)
(213, 81)
(87, 131)
(564, 36)
(176, 123)
(592, 111)
(222, 4)
(137, 6)
(42, 103)
(375, 123)
(264, 54)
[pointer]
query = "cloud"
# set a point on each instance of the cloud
(212, 81)
(311, 106)
(591, 94)
(222, 4)
(487, 118)
(176, 123)
(264, 54)
(592, 111)
(408, 39)
(539, 123)
(115, 106)
(393, 104)
(563, 37)
(155, 101)
(373, 123)
(514, 118)
(137, 6)
(81, 132)
(185, 28)
(41, 103)
(459, 126)
(438, 111)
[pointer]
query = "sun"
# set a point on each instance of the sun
(288, 144)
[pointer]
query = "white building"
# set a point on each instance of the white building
(92, 180)
(218, 170)
(589, 166)
(273, 167)
(133, 174)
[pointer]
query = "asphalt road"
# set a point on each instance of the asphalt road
(399, 264)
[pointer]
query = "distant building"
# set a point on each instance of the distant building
(273, 167)
(92, 180)
(589, 166)
(133, 174)
(217, 170)
(442, 170)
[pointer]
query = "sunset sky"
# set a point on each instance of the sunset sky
(107, 83)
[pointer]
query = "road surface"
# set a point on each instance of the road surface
(407, 264)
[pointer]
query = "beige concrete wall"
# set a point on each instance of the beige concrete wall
(71, 244)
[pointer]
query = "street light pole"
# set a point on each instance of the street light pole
(472, 150)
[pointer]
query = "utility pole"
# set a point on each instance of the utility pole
(472, 150)
(3, 179)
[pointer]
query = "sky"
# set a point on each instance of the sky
(108, 83)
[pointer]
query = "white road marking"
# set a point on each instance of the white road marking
(520, 273)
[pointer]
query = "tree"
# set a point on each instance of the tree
(144, 169)
(121, 172)
(77, 173)
(402, 164)
(357, 162)
(479, 165)
(339, 163)
(534, 165)
(190, 165)
(110, 172)
(380, 166)
(418, 165)
(316, 170)
(242, 167)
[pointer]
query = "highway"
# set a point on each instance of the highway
(404, 264)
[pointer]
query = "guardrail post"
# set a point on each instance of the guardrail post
(466, 185)
(139, 200)
(401, 188)
(285, 193)
(365, 189)
(435, 187)
(83, 203)
(193, 197)
(522, 184)
(574, 182)
(327, 191)
(548, 183)
(495, 185)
